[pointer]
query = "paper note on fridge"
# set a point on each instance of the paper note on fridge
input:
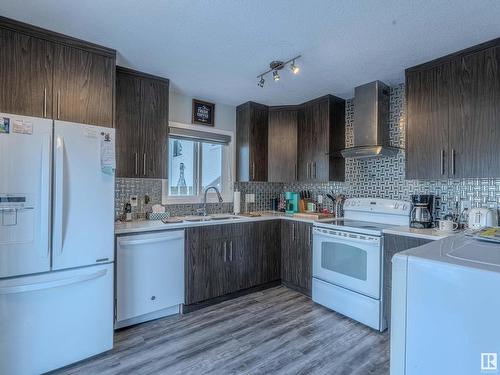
(108, 162)
(22, 127)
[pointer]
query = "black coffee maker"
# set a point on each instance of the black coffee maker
(422, 213)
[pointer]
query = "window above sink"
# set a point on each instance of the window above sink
(198, 158)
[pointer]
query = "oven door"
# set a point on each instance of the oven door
(348, 260)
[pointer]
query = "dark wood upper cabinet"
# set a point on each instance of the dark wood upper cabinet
(475, 114)
(321, 136)
(127, 120)
(251, 142)
(282, 153)
(46, 74)
(83, 86)
(154, 121)
(26, 69)
(427, 93)
(290, 143)
(453, 115)
(142, 124)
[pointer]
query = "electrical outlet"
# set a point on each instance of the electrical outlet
(250, 198)
(320, 199)
(133, 200)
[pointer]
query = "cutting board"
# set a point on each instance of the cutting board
(313, 215)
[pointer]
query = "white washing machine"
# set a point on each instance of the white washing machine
(446, 308)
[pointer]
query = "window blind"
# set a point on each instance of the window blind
(198, 135)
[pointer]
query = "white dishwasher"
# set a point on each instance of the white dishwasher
(149, 276)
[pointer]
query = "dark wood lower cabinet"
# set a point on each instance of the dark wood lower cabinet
(227, 258)
(296, 255)
(394, 244)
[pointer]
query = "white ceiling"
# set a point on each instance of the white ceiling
(214, 49)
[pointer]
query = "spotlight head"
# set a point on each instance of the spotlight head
(261, 82)
(276, 75)
(294, 68)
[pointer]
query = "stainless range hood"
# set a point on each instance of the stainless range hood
(371, 122)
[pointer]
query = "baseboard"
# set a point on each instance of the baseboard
(200, 305)
(297, 288)
(147, 317)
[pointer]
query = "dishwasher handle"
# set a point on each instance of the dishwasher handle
(143, 241)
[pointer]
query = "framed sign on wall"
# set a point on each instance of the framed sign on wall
(203, 113)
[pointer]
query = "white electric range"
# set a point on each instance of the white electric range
(348, 258)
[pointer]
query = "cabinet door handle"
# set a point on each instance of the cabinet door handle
(314, 169)
(253, 171)
(136, 163)
(231, 251)
(452, 161)
(442, 161)
(296, 171)
(58, 104)
(293, 232)
(144, 164)
(225, 251)
(309, 235)
(44, 102)
(308, 170)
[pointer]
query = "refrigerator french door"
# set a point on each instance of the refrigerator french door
(83, 231)
(25, 195)
(56, 243)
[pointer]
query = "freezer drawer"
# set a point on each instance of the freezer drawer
(149, 276)
(52, 320)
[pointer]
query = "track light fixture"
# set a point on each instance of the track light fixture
(276, 66)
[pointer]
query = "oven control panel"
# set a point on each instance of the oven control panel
(346, 235)
(378, 205)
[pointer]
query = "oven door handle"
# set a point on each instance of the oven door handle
(347, 239)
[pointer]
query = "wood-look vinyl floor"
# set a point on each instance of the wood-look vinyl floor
(275, 331)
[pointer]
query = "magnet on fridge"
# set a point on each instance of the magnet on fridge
(4, 125)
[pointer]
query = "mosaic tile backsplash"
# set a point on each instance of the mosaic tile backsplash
(376, 177)
(125, 187)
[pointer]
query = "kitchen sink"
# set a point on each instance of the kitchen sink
(224, 217)
(197, 218)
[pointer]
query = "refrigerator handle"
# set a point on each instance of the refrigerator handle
(23, 288)
(57, 242)
(45, 184)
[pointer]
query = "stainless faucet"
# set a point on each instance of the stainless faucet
(203, 211)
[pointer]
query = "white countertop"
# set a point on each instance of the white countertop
(429, 234)
(138, 226)
(459, 250)
(144, 225)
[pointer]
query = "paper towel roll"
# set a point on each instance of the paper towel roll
(236, 202)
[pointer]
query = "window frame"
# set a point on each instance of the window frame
(227, 171)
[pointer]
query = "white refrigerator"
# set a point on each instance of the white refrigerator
(56, 243)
